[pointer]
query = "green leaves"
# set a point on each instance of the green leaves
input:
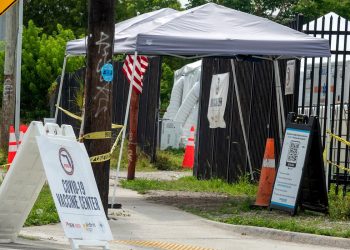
(42, 61)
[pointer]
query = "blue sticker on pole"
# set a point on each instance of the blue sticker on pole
(107, 72)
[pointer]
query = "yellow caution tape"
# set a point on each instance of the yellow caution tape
(69, 113)
(117, 126)
(107, 156)
(339, 166)
(101, 158)
(97, 135)
(338, 138)
(114, 126)
(116, 141)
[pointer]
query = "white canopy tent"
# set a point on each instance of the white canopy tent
(213, 30)
(122, 31)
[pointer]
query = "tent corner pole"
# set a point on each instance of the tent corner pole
(236, 90)
(60, 87)
(279, 99)
(124, 129)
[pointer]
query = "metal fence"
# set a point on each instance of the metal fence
(314, 97)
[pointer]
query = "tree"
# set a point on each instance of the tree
(42, 58)
(312, 9)
(126, 9)
(278, 10)
(71, 14)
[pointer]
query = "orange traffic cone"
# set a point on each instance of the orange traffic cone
(13, 143)
(267, 175)
(189, 151)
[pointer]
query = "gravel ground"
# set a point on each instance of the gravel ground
(157, 175)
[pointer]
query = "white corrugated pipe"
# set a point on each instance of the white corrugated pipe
(191, 121)
(175, 99)
(188, 104)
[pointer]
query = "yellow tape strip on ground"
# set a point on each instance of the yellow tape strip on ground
(107, 156)
(97, 135)
(114, 126)
(338, 138)
(159, 245)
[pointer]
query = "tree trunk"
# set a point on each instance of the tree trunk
(132, 154)
(8, 99)
(98, 93)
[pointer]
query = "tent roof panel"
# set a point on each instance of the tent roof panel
(212, 29)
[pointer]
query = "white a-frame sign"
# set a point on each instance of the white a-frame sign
(53, 152)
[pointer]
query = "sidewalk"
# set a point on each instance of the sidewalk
(154, 226)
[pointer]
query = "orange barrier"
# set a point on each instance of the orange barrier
(267, 175)
(189, 151)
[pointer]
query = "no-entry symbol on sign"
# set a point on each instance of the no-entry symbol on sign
(5, 4)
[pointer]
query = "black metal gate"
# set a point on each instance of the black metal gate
(314, 97)
(149, 102)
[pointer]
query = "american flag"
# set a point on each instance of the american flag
(140, 69)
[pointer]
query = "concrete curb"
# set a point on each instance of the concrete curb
(275, 234)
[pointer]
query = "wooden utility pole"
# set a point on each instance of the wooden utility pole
(98, 93)
(132, 147)
(8, 98)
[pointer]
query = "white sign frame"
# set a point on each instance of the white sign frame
(27, 177)
(290, 171)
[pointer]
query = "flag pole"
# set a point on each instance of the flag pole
(124, 129)
(60, 87)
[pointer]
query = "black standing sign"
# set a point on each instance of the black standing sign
(300, 180)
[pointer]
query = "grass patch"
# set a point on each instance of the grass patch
(44, 210)
(170, 159)
(236, 208)
(190, 183)
(3, 159)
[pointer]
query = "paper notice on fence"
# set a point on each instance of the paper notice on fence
(290, 76)
(217, 100)
(74, 189)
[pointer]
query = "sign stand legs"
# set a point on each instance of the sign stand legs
(96, 243)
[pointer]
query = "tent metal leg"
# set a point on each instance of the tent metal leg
(279, 99)
(124, 129)
(60, 87)
(241, 118)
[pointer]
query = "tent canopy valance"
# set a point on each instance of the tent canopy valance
(209, 30)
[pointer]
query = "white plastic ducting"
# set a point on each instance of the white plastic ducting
(187, 106)
(175, 99)
(191, 121)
